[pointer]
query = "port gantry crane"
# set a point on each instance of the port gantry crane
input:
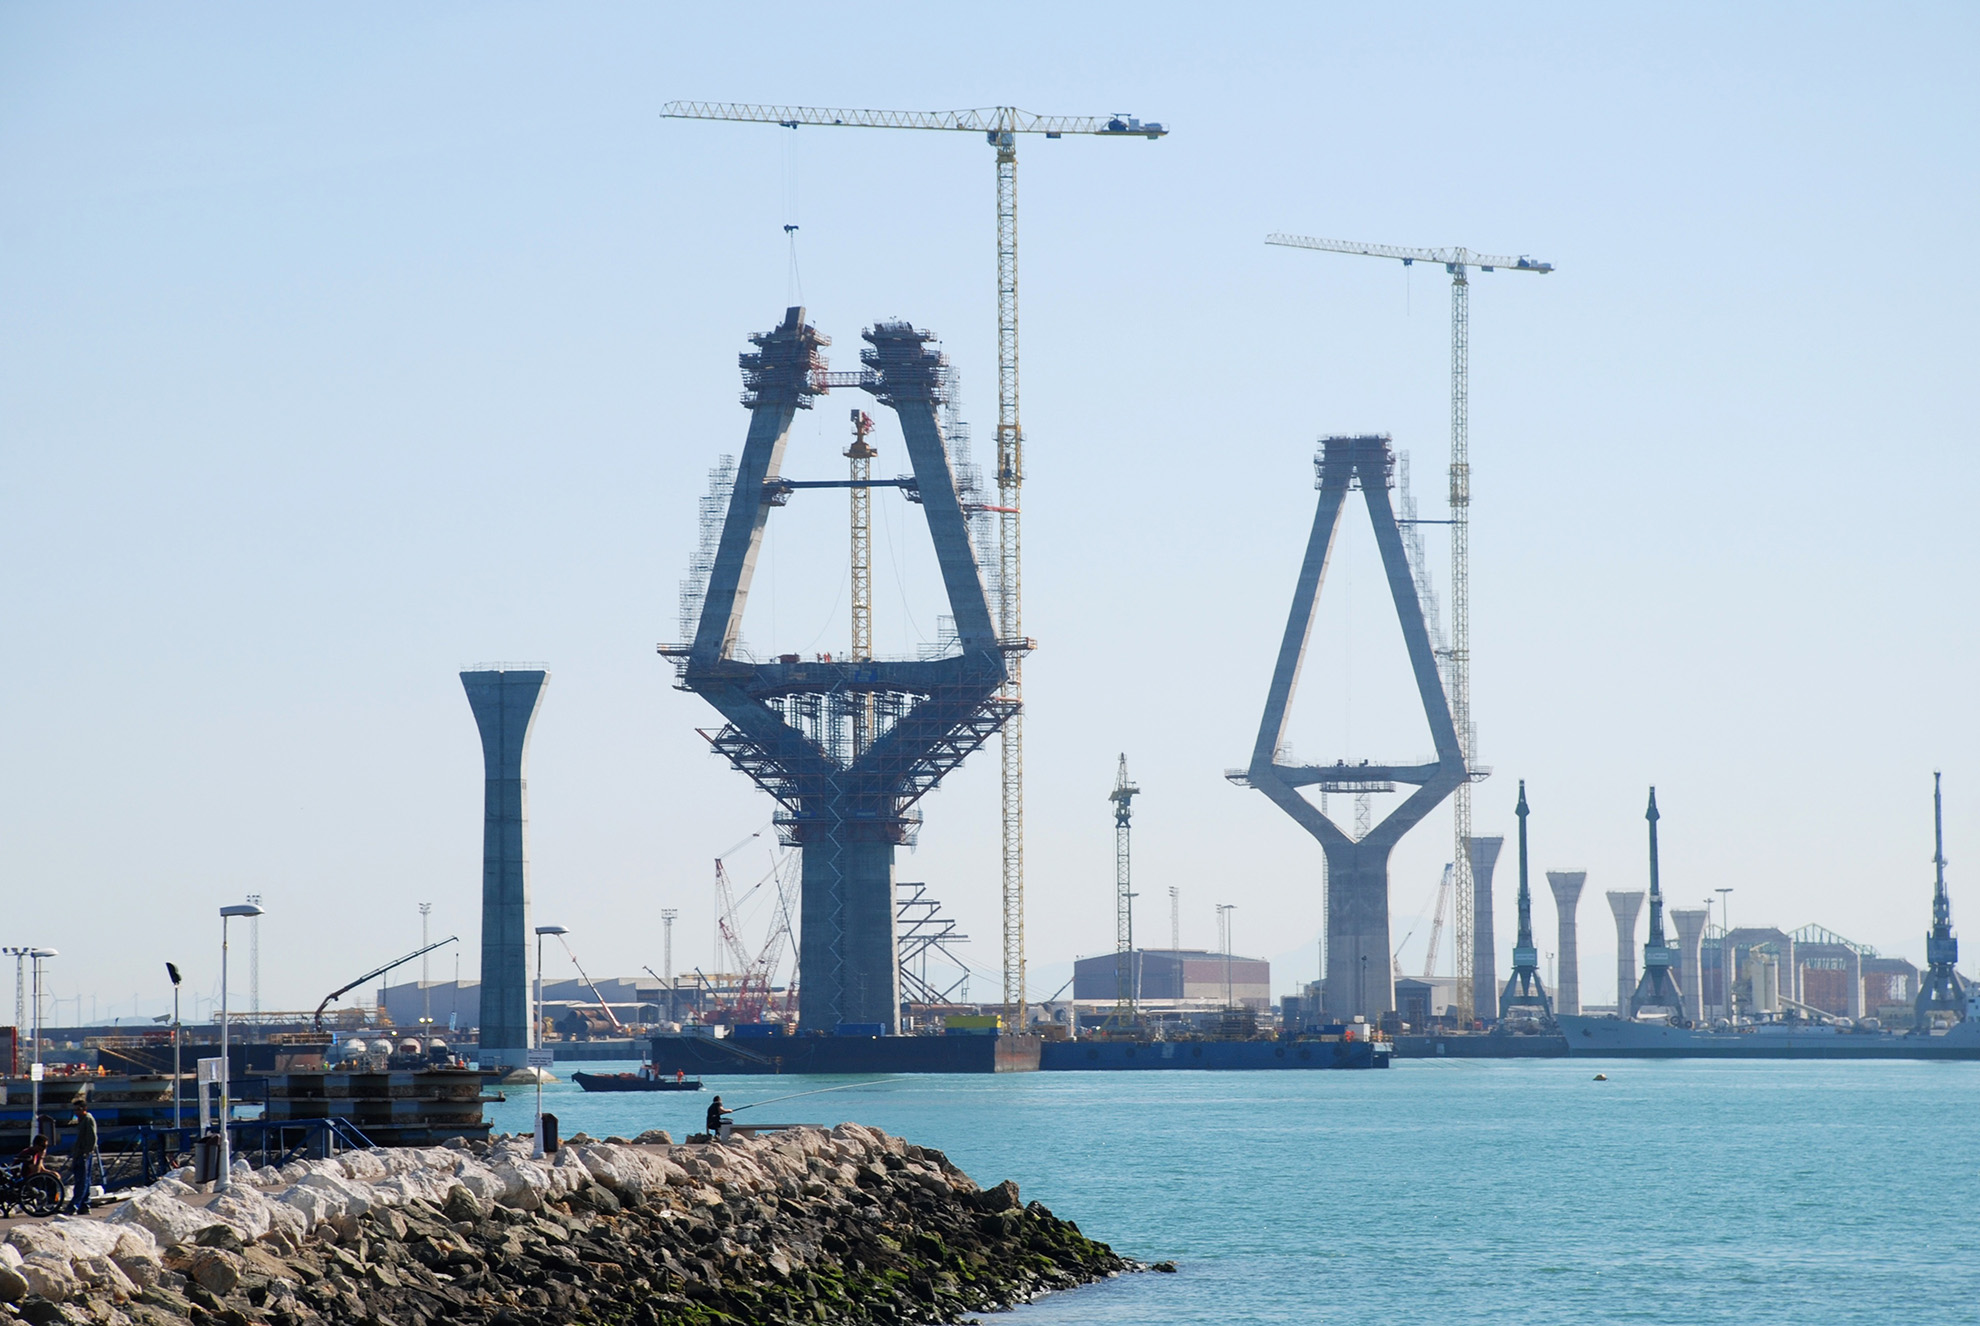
(1000, 126)
(1458, 263)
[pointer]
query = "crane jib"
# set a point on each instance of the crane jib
(994, 120)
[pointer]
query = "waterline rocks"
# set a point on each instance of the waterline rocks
(804, 1225)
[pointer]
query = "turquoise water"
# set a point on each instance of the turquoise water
(1450, 1191)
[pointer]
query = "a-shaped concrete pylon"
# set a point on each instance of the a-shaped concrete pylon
(1358, 954)
(846, 789)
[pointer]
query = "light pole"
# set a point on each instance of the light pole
(1224, 910)
(172, 970)
(34, 1121)
(226, 1179)
(1725, 953)
(425, 981)
(536, 1031)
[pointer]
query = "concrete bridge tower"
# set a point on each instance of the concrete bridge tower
(1690, 923)
(1484, 854)
(505, 703)
(1567, 886)
(1358, 980)
(847, 746)
(1627, 906)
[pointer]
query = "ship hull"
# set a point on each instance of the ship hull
(1209, 1056)
(1613, 1038)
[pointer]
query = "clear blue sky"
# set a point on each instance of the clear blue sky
(344, 347)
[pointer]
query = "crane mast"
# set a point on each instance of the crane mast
(1000, 126)
(1126, 1003)
(1457, 659)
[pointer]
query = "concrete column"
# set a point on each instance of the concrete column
(1567, 886)
(1359, 979)
(849, 940)
(1484, 854)
(1690, 923)
(1627, 907)
(504, 705)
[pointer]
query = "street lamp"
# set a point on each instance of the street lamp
(226, 1179)
(536, 1032)
(37, 954)
(172, 970)
(1224, 910)
(1725, 953)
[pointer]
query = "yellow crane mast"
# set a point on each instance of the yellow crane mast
(1000, 126)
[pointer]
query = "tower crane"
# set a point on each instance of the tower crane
(1125, 984)
(1000, 126)
(1458, 262)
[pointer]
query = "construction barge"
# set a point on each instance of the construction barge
(997, 1052)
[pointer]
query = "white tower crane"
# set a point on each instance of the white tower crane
(1000, 126)
(1457, 663)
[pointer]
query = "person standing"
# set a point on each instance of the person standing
(84, 1159)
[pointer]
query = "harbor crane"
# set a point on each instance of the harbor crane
(1000, 126)
(376, 972)
(1458, 262)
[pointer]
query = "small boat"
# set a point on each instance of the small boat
(634, 1082)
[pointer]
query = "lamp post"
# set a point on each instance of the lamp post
(34, 1119)
(1224, 910)
(172, 970)
(226, 1179)
(1725, 954)
(536, 1032)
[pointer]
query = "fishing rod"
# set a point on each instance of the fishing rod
(819, 1092)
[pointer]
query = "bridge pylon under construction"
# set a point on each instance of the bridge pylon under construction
(847, 747)
(1358, 979)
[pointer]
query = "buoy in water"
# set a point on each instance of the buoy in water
(1601, 1077)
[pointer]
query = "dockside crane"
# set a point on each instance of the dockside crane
(376, 972)
(1000, 126)
(1458, 262)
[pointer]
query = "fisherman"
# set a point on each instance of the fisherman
(718, 1119)
(82, 1157)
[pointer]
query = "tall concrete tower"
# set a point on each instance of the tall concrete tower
(1358, 950)
(1627, 906)
(504, 704)
(847, 746)
(1484, 854)
(1690, 923)
(1567, 886)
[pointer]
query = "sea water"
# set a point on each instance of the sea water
(1447, 1191)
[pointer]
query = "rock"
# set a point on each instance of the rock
(224, 1237)
(461, 1204)
(13, 1285)
(654, 1137)
(1003, 1197)
(215, 1270)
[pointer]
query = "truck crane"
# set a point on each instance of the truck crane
(377, 972)
(1000, 126)
(1458, 262)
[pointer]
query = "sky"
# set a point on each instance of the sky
(343, 348)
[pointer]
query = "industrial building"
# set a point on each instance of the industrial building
(1177, 977)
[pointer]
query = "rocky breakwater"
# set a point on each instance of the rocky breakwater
(802, 1225)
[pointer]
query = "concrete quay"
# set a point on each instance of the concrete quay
(848, 1223)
